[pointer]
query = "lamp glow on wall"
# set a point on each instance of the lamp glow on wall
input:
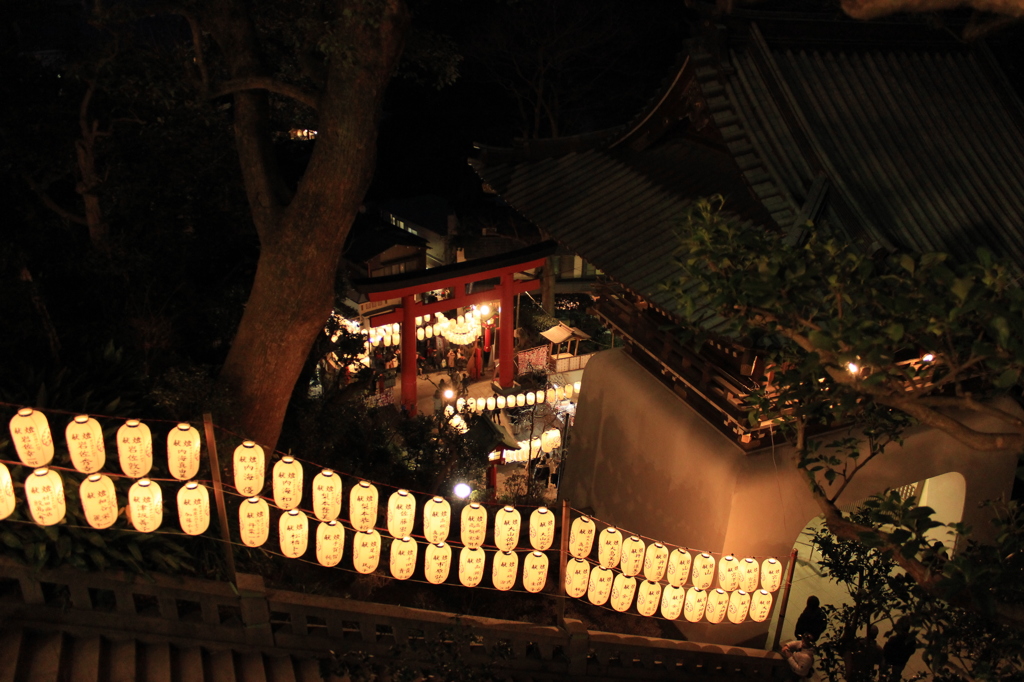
(703, 570)
(183, 446)
(135, 448)
(401, 513)
(506, 528)
(99, 501)
(330, 543)
(623, 589)
(672, 599)
(471, 566)
(577, 577)
(599, 589)
(679, 567)
(655, 561)
(535, 571)
(193, 508)
(609, 547)
(293, 533)
(254, 521)
(366, 551)
(403, 558)
(504, 570)
(7, 500)
(437, 563)
(326, 495)
(249, 464)
(30, 434)
(287, 485)
(717, 605)
(632, 559)
(771, 574)
(648, 598)
(44, 492)
(84, 436)
(362, 506)
(145, 505)
(581, 537)
(542, 528)
(437, 518)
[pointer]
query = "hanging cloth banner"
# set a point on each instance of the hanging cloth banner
(506, 528)
(193, 508)
(437, 563)
(85, 444)
(99, 501)
(249, 466)
(183, 446)
(30, 433)
(401, 514)
(362, 506)
(330, 543)
(473, 525)
(535, 571)
(287, 483)
(135, 448)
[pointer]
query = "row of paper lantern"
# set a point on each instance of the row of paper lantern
(602, 585)
(551, 395)
(547, 442)
(631, 555)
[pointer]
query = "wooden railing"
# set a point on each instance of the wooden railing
(187, 611)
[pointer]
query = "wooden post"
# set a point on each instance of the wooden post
(506, 333)
(408, 361)
(785, 598)
(563, 555)
(218, 496)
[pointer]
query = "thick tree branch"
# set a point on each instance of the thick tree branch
(872, 9)
(294, 92)
(49, 203)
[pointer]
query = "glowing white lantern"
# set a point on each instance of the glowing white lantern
(504, 570)
(366, 551)
(576, 387)
(718, 604)
(403, 558)
(649, 598)
(749, 573)
(554, 440)
(327, 495)
(771, 574)
(471, 566)
(499, 402)
(293, 533)
(609, 547)
(539, 398)
(623, 589)
(85, 443)
(569, 391)
(44, 492)
(330, 543)
(535, 571)
(693, 606)
(429, 331)
(437, 563)
(387, 339)
(135, 448)
(600, 587)
(520, 400)
(729, 573)
(655, 561)
(437, 518)
(506, 528)
(672, 599)
(183, 447)
(542, 528)
(481, 405)
(401, 513)
(420, 334)
(30, 433)
(99, 501)
(679, 567)
(559, 394)
(193, 508)
(473, 525)
(581, 537)
(287, 483)
(254, 521)
(632, 560)
(577, 577)
(739, 602)
(249, 467)
(491, 403)
(760, 606)
(703, 570)
(395, 328)
(7, 499)
(529, 398)
(437, 329)
(145, 505)
(362, 506)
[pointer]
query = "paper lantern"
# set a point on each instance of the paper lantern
(649, 598)
(771, 574)
(559, 394)
(387, 339)
(287, 483)
(655, 561)
(362, 506)
(135, 448)
(293, 533)
(539, 399)
(632, 559)
(554, 440)
(576, 386)
(623, 589)
(403, 558)
(473, 525)
(693, 606)
(729, 573)
(30, 433)
(672, 599)
(193, 508)
(183, 447)
(535, 571)
(366, 551)
(529, 398)
(330, 543)
(254, 521)
(739, 602)
(569, 391)
(577, 577)
(437, 519)
(7, 499)
(703, 570)
(481, 405)
(145, 505)
(491, 403)
(44, 492)
(429, 331)
(581, 537)
(749, 573)
(401, 513)
(420, 334)
(520, 400)
(506, 528)
(327, 495)
(471, 566)
(500, 402)
(599, 589)
(437, 563)
(99, 501)
(85, 444)
(249, 468)
(760, 606)
(718, 604)
(679, 567)
(609, 547)
(542, 528)
(504, 570)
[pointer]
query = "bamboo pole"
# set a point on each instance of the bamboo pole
(218, 496)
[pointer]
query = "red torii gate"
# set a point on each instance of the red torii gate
(456, 277)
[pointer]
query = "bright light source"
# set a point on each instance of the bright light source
(485, 310)
(462, 491)
(852, 367)
(928, 357)
(449, 394)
